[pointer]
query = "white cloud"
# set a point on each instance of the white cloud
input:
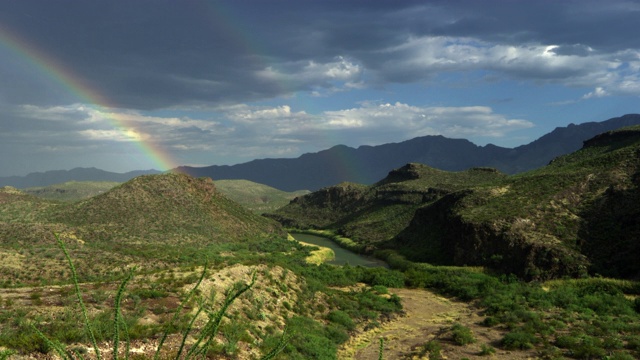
(52, 113)
(414, 121)
(596, 93)
(334, 75)
(112, 135)
(420, 58)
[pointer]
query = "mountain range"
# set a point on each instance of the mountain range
(365, 164)
(368, 164)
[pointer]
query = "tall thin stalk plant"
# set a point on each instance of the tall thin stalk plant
(204, 338)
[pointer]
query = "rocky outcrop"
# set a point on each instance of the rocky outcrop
(438, 234)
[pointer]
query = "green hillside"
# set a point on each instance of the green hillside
(71, 190)
(578, 215)
(258, 198)
(170, 204)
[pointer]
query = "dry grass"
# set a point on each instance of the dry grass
(427, 316)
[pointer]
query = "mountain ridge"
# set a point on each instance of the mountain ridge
(368, 164)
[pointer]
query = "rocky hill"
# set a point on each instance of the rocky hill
(169, 204)
(577, 215)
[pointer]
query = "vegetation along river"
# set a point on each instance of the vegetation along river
(343, 256)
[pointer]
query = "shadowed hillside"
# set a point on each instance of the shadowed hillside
(376, 213)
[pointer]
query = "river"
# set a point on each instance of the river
(343, 256)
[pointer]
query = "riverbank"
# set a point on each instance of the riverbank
(317, 257)
(342, 256)
(342, 241)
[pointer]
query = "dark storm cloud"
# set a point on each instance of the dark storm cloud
(154, 54)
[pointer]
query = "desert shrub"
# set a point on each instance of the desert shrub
(336, 333)
(234, 330)
(5, 353)
(618, 355)
(612, 343)
(433, 348)
(384, 277)
(582, 346)
(518, 340)
(152, 293)
(380, 289)
(486, 350)
(462, 335)
(490, 321)
(341, 318)
(587, 348)
(308, 340)
(24, 338)
(633, 342)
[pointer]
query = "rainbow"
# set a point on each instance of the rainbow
(161, 159)
(73, 84)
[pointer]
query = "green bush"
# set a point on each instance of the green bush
(341, 318)
(486, 350)
(518, 341)
(462, 335)
(589, 347)
(433, 348)
(336, 333)
(380, 289)
(308, 340)
(384, 277)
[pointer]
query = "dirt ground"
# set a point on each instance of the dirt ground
(427, 317)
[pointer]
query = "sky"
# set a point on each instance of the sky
(127, 85)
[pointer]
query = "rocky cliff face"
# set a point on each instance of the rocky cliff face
(439, 234)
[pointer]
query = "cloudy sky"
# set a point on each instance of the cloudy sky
(125, 85)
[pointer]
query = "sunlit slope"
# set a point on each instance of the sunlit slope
(72, 190)
(258, 198)
(168, 204)
(579, 214)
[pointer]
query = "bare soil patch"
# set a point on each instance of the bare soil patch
(427, 317)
